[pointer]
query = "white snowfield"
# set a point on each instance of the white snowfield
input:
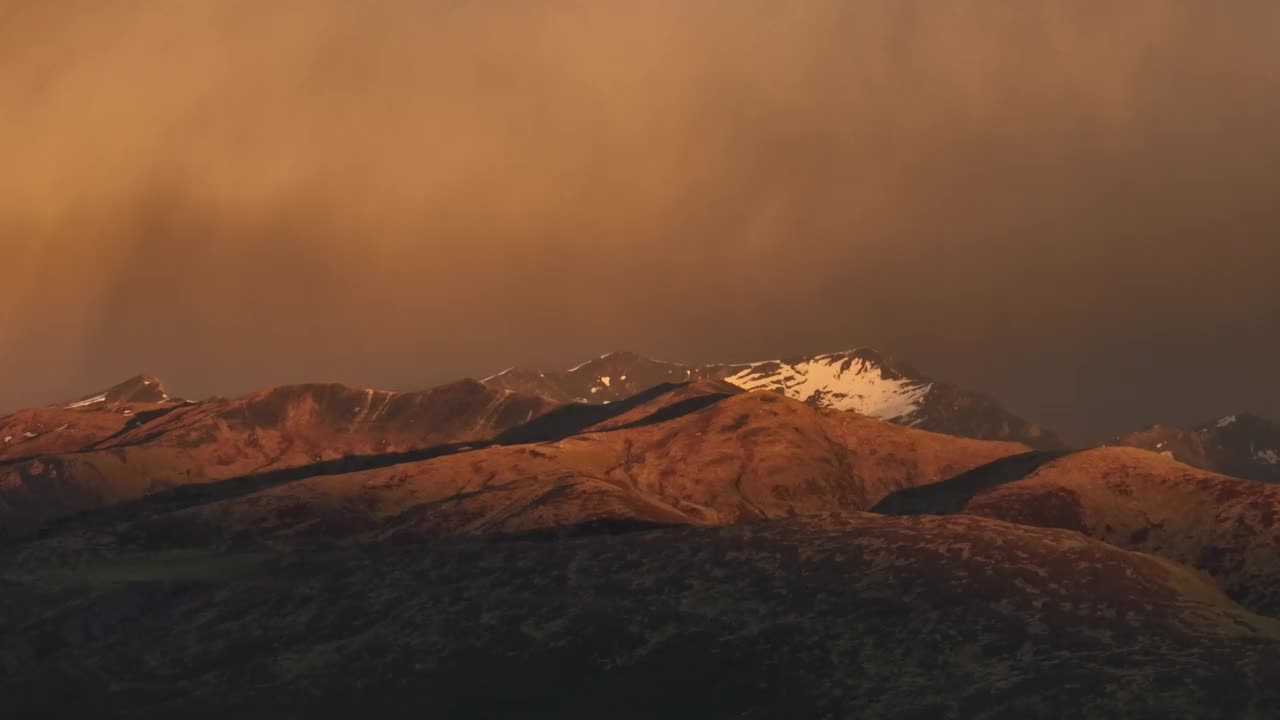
(1270, 457)
(838, 381)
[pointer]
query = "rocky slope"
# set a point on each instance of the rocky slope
(865, 381)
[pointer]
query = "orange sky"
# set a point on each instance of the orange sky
(1067, 204)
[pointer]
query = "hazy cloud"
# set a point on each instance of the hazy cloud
(1068, 204)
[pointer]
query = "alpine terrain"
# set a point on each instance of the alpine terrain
(696, 542)
(865, 381)
(1242, 445)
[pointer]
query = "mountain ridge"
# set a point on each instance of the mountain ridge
(863, 380)
(1243, 445)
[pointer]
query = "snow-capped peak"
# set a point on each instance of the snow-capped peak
(844, 381)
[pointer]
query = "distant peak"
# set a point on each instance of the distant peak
(617, 356)
(1238, 422)
(137, 389)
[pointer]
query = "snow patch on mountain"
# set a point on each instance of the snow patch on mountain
(88, 401)
(498, 375)
(579, 366)
(1227, 421)
(839, 381)
(1270, 457)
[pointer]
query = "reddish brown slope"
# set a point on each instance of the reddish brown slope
(1227, 527)
(279, 428)
(78, 425)
(852, 380)
(748, 456)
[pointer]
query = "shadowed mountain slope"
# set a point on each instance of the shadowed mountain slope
(953, 494)
(658, 403)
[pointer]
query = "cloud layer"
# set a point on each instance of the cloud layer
(1067, 204)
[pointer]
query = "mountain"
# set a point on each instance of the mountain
(865, 381)
(75, 425)
(608, 378)
(112, 452)
(690, 550)
(1227, 527)
(1243, 445)
(137, 389)
(727, 459)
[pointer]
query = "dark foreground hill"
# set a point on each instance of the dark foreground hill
(828, 616)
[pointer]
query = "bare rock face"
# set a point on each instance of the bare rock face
(865, 381)
(1243, 445)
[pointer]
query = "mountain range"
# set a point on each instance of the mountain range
(865, 380)
(1242, 445)
(627, 538)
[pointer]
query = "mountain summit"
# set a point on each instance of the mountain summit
(863, 380)
(137, 389)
